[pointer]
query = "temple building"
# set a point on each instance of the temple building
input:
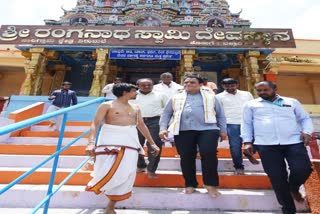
(99, 40)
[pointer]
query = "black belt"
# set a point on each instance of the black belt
(151, 118)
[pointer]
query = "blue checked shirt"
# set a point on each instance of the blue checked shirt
(64, 98)
(274, 123)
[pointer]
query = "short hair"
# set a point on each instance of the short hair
(66, 83)
(196, 76)
(268, 83)
(205, 79)
(229, 81)
(143, 79)
(117, 79)
(166, 74)
(119, 88)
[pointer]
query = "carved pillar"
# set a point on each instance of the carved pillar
(271, 71)
(252, 60)
(49, 54)
(106, 73)
(245, 78)
(34, 68)
(186, 63)
(60, 72)
(99, 72)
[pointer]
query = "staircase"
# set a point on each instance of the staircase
(247, 193)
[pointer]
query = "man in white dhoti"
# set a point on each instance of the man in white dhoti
(118, 146)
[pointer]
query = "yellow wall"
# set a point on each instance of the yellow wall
(297, 87)
(300, 79)
(10, 82)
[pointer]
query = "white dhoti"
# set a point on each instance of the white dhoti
(115, 166)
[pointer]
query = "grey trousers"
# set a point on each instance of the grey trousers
(153, 125)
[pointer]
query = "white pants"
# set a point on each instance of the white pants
(57, 120)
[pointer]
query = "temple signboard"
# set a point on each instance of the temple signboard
(113, 36)
(145, 54)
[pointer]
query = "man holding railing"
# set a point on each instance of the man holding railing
(118, 146)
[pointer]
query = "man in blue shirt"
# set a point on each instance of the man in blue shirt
(281, 130)
(62, 98)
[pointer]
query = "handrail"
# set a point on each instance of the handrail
(32, 121)
(59, 186)
(24, 175)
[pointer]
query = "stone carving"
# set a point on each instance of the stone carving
(148, 21)
(99, 72)
(208, 10)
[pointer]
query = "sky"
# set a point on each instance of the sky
(299, 15)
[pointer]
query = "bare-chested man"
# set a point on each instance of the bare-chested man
(118, 146)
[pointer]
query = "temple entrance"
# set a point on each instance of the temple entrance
(82, 65)
(81, 77)
(133, 69)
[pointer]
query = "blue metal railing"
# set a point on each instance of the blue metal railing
(55, 156)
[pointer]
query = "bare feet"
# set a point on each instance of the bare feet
(52, 124)
(296, 195)
(212, 191)
(189, 190)
(152, 175)
(110, 211)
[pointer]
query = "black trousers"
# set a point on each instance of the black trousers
(273, 161)
(154, 128)
(207, 142)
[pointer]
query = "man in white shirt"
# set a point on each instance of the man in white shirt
(151, 104)
(107, 90)
(167, 86)
(232, 101)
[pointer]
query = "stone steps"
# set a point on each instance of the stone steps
(128, 211)
(165, 178)
(47, 149)
(46, 128)
(148, 198)
(47, 146)
(249, 192)
(166, 163)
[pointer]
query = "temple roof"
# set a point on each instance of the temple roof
(177, 13)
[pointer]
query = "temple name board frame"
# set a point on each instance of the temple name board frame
(147, 54)
(146, 36)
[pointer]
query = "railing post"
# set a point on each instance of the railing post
(314, 147)
(28, 122)
(55, 163)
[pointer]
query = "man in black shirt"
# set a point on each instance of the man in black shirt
(62, 98)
